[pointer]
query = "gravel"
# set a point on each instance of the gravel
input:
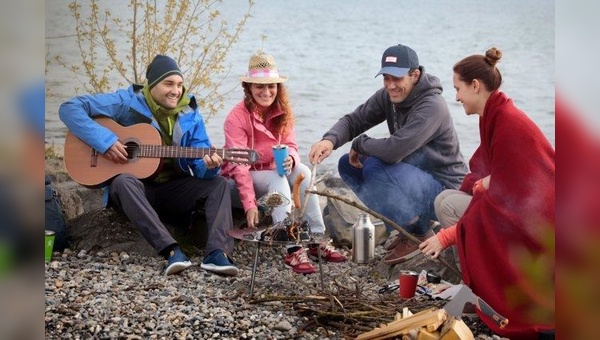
(125, 296)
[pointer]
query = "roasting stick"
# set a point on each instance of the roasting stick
(310, 185)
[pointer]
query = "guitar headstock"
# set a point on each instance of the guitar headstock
(242, 156)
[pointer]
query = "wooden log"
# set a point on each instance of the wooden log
(434, 326)
(404, 326)
(426, 335)
(454, 329)
(411, 335)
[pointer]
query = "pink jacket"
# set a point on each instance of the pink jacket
(245, 130)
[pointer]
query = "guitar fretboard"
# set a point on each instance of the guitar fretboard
(161, 151)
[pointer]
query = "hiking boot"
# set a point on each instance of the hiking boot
(219, 263)
(328, 253)
(405, 250)
(177, 262)
(300, 262)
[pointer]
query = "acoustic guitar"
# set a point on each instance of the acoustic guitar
(89, 168)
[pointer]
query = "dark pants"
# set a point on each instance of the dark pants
(401, 192)
(143, 202)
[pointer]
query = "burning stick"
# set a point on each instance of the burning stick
(295, 216)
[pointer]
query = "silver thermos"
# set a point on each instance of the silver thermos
(363, 240)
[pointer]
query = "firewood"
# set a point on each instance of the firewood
(411, 335)
(426, 335)
(454, 329)
(434, 326)
(404, 326)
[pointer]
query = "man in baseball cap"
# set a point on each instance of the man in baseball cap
(400, 175)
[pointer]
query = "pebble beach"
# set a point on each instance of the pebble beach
(122, 296)
(125, 296)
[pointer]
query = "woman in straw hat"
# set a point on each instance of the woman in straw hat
(264, 118)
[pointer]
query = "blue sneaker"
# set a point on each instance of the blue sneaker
(177, 262)
(218, 262)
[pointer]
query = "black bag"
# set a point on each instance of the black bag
(55, 220)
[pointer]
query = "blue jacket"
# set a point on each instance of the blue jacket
(128, 107)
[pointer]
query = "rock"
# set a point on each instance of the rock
(283, 326)
(106, 230)
(339, 218)
(75, 199)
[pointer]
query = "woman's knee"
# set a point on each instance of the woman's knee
(448, 207)
(439, 201)
(281, 185)
(302, 169)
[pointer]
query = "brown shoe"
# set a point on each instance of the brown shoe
(393, 240)
(405, 250)
(396, 237)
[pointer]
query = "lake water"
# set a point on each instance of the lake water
(331, 51)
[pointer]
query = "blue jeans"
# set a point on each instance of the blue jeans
(400, 192)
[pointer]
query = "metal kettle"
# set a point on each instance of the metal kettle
(363, 240)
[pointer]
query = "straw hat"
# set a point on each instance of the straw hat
(262, 70)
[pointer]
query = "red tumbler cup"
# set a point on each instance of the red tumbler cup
(408, 283)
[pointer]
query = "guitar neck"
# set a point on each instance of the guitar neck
(162, 151)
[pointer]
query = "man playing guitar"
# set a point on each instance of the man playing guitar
(180, 183)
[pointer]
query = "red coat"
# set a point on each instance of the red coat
(512, 217)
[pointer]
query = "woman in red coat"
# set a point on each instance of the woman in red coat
(508, 227)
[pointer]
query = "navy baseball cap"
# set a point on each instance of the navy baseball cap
(397, 60)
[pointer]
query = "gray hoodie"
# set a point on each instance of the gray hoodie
(421, 131)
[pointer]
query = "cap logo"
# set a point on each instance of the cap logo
(391, 59)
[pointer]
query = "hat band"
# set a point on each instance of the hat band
(263, 73)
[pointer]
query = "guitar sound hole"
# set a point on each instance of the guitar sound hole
(133, 150)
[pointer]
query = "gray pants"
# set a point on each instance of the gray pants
(143, 202)
(450, 205)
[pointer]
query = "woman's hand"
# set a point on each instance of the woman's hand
(481, 185)
(431, 247)
(252, 218)
(288, 164)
